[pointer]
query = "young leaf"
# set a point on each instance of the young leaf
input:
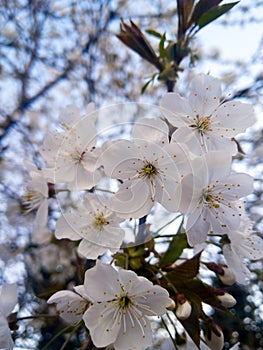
(154, 33)
(161, 45)
(175, 249)
(214, 13)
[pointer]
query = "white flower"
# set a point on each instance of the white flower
(72, 153)
(203, 122)
(95, 224)
(242, 244)
(8, 300)
(70, 306)
(149, 168)
(210, 196)
(121, 303)
(37, 195)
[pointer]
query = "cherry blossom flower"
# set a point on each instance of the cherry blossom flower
(37, 195)
(211, 196)
(203, 122)
(242, 243)
(121, 303)
(70, 306)
(8, 300)
(72, 153)
(149, 168)
(95, 224)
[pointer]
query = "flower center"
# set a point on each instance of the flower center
(208, 198)
(124, 301)
(148, 171)
(202, 124)
(100, 221)
(78, 157)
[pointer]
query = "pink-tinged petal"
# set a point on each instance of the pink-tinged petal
(135, 335)
(70, 305)
(133, 199)
(177, 110)
(102, 282)
(6, 341)
(8, 298)
(196, 228)
(151, 130)
(232, 118)
(205, 92)
(99, 319)
(67, 227)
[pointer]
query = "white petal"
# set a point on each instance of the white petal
(91, 250)
(177, 110)
(136, 337)
(66, 227)
(69, 305)
(232, 118)
(133, 199)
(205, 92)
(8, 298)
(196, 228)
(6, 341)
(242, 273)
(94, 277)
(114, 154)
(99, 319)
(151, 130)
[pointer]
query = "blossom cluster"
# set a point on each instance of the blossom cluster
(182, 161)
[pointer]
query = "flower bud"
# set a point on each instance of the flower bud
(183, 308)
(215, 338)
(228, 278)
(171, 306)
(227, 300)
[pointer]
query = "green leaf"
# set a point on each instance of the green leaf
(175, 249)
(154, 33)
(161, 45)
(143, 89)
(214, 13)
